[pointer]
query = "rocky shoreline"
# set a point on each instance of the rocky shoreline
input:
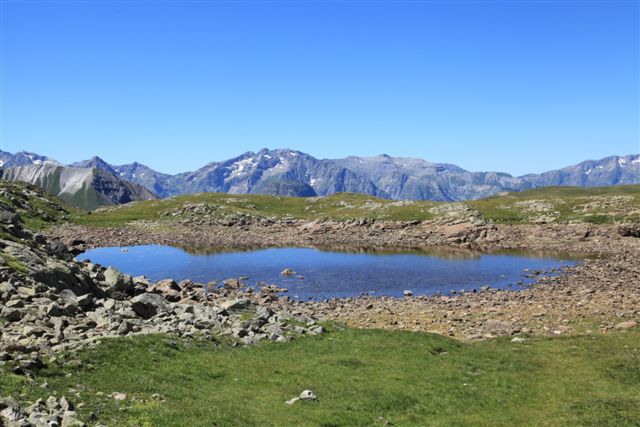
(599, 294)
(52, 305)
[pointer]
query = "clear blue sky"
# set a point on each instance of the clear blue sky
(504, 85)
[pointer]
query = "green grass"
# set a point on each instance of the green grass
(37, 209)
(340, 207)
(14, 263)
(600, 205)
(361, 377)
(564, 204)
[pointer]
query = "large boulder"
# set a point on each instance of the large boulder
(148, 305)
(117, 284)
(167, 288)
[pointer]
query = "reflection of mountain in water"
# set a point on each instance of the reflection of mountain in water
(443, 252)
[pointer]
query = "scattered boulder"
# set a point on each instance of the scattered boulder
(11, 314)
(117, 283)
(236, 304)
(167, 288)
(148, 305)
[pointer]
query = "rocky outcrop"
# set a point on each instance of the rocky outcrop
(50, 412)
(49, 302)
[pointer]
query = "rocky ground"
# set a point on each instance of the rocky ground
(601, 293)
(50, 303)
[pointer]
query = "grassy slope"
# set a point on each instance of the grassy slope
(596, 205)
(359, 376)
(341, 206)
(37, 209)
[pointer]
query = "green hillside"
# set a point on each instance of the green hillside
(555, 204)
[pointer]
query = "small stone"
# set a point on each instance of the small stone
(518, 340)
(630, 324)
(119, 396)
(308, 395)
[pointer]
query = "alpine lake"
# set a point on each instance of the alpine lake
(319, 274)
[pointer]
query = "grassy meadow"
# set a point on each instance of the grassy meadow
(361, 377)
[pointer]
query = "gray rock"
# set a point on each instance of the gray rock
(11, 314)
(117, 282)
(65, 404)
(6, 290)
(9, 218)
(148, 305)
(10, 410)
(70, 419)
(14, 303)
(55, 310)
(85, 301)
(236, 304)
(53, 404)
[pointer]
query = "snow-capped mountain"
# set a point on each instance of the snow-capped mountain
(293, 173)
(23, 158)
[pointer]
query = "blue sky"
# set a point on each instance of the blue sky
(505, 85)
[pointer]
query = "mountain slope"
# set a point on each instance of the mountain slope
(23, 158)
(417, 179)
(94, 162)
(87, 188)
(293, 173)
(614, 170)
(259, 173)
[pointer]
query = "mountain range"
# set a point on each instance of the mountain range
(288, 172)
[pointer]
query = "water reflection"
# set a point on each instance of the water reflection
(350, 271)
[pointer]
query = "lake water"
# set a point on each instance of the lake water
(322, 274)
